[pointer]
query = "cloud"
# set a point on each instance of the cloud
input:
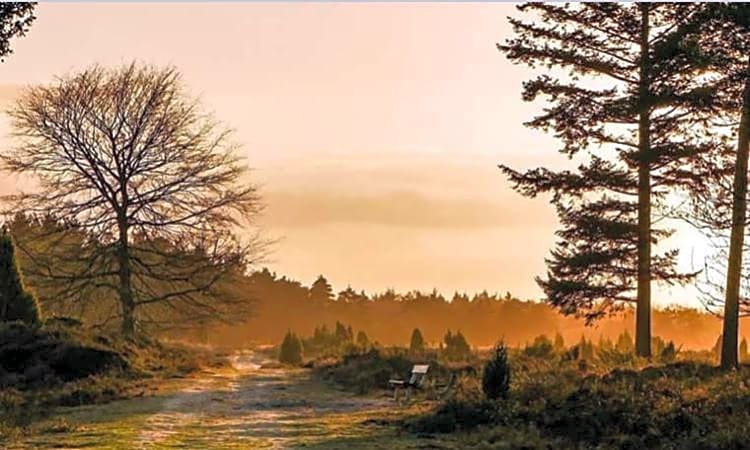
(400, 208)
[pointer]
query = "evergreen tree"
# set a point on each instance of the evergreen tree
(722, 209)
(416, 343)
(559, 342)
(542, 347)
(16, 303)
(586, 349)
(362, 339)
(321, 291)
(496, 375)
(632, 129)
(456, 347)
(624, 343)
(343, 334)
(291, 349)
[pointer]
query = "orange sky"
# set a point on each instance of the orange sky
(374, 129)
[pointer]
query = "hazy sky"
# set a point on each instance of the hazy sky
(374, 129)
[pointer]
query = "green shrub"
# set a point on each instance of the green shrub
(16, 303)
(456, 347)
(457, 414)
(291, 349)
(541, 348)
(364, 372)
(668, 354)
(496, 375)
(362, 340)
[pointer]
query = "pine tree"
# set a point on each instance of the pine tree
(559, 342)
(16, 302)
(321, 291)
(416, 343)
(496, 375)
(722, 210)
(456, 346)
(291, 349)
(626, 110)
(624, 343)
(362, 339)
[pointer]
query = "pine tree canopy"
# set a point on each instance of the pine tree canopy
(622, 97)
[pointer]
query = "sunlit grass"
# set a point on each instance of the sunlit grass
(226, 408)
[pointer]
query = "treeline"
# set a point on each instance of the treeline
(281, 304)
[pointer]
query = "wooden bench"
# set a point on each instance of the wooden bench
(418, 374)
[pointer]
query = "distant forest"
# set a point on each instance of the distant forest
(266, 305)
(282, 304)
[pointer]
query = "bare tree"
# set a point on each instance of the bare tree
(125, 156)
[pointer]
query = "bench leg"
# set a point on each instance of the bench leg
(395, 394)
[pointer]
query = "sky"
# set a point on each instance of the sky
(374, 130)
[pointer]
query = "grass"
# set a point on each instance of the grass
(560, 400)
(61, 365)
(556, 404)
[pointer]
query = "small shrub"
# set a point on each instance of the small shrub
(496, 376)
(541, 348)
(291, 349)
(363, 372)
(456, 347)
(457, 414)
(362, 339)
(669, 353)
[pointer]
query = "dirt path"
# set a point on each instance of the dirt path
(245, 406)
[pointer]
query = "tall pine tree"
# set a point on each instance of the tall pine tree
(721, 209)
(623, 101)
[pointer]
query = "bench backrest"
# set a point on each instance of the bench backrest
(418, 373)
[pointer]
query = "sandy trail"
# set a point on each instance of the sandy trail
(245, 406)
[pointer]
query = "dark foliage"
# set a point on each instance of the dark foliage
(291, 349)
(16, 302)
(455, 415)
(364, 372)
(633, 135)
(15, 20)
(35, 357)
(496, 374)
(456, 348)
(416, 343)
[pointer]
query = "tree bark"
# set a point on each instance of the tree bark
(730, 328)
(127, 302)
(643, 304)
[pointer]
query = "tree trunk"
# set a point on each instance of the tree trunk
(643, 305)
(127, 302)
(730, 329)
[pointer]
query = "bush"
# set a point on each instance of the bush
(16, 303)
(291, 349)
(496, 376)
(457, 414)
(456, 347)
(32, 356)
(364, 372)
(416, 343)
(541, 348)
